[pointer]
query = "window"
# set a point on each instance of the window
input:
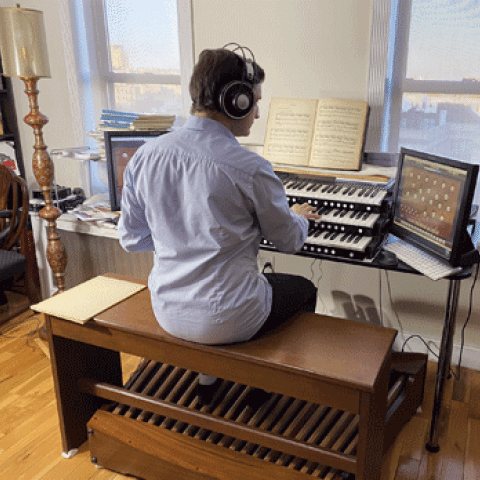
(133, 56)
(138, 55)
(424, 86)
(433, 80)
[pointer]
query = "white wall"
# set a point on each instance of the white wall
(308, 48)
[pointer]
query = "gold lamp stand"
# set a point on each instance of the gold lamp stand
(43, 170)
(24, 54)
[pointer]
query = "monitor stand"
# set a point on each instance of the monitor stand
(470, 255)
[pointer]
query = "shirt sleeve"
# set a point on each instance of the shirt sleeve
(278, 223)
(133, 230)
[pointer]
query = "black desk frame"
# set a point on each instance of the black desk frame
(446, 345)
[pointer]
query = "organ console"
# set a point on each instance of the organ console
(355, 214)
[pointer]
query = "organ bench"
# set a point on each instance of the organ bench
(339, 397)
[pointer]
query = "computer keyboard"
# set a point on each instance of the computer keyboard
(419, 260)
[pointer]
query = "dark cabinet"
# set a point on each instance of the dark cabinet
(9, 134)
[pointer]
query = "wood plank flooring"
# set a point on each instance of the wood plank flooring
(30, 445)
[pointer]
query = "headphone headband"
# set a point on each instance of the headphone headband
(249, 72)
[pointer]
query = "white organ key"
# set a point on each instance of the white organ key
(302, 189)
(339, 240)
(340, 193)
(344, 217)
(351, 194)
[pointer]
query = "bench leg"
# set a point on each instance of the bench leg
(72, 361)
(371, 430)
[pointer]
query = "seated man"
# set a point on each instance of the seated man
(202, 202)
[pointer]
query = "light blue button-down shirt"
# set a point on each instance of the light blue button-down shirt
(202, 202)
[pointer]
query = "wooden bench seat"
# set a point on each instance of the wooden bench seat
(324, 373)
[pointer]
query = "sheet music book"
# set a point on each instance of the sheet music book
(82, 302)
(326, 133)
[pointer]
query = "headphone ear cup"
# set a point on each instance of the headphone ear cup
(236, 100)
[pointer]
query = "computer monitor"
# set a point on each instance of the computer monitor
(119, 149)
(433, 201)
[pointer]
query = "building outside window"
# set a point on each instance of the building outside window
(433, 78)
(132, 56)
(139, 55)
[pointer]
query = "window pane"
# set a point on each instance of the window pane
(446, 125)
(143, 36)
(444, 40)
(148, 98)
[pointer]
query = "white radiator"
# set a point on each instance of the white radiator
(89, 256)
(91, 251)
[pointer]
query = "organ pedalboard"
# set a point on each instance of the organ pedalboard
(355, 214)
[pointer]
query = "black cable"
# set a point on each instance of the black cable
(389, 287)
(312, 273)
(462, 341)
(270, 266)
(424, 342)
(319, 297)
(380, 297)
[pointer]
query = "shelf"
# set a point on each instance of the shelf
(7, 138)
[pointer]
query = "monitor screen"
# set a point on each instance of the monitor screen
(119, 149)
(432, 203)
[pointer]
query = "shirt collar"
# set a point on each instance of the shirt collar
(208, 125)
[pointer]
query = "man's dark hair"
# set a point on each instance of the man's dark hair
(214, 70)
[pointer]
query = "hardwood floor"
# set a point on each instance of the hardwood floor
(30, 445)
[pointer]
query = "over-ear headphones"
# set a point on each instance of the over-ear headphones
(236, 98)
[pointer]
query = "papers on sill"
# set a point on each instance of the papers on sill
(95, 214)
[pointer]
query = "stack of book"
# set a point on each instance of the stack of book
(116, 120)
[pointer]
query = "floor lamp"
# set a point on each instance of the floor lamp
(24, 54)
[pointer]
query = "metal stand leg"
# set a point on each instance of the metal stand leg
(444, 362)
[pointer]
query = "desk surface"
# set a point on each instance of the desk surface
(69, 222)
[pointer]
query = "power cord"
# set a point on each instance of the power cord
(462, 341)
(319, 297)
(268, 265)
(424, 342)
(456, 376)
(389, 289)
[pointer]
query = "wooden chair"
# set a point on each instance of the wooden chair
(13, 236)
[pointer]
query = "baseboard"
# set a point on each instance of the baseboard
(470, 355)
